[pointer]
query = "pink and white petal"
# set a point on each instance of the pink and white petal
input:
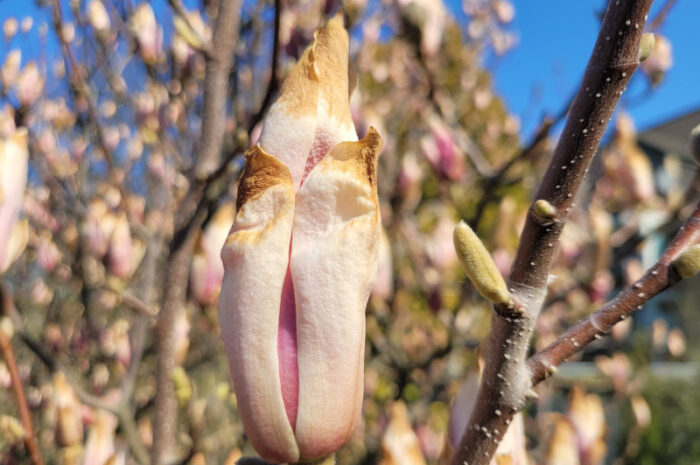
(14, 156)
(333, 265)
(334, 120)
(256, 256)
(289, 129)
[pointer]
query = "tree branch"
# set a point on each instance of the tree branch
(188, 219)
(274, 82)
(218, 68)
(9, 356)
(656, 280)
(506, 379)
(660, 17)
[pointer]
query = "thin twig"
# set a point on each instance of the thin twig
(657, 279)
(137, 304)
(497, 180)
(9, 356)
(180, 10)
(273, 84)
(660, 17)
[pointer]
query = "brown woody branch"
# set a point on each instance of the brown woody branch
(9, 356)
(506, 380)
(274, 82)
(188, 219)
(660, 17)
(218, 68)
(658, 278)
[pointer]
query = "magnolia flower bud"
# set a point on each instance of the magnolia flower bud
(69, 424)
(442, 150)
(586, 415)
(479, 266)
(646, 46)
(11, 429)
(30, 84)
(100, 446)
(300, 262)
(562, 445)
(121, 248)
(659, 60)
(26, 24)
(98, 17)
(207, 268)
(10, 69)
(149, 36)
(9, 27)
(13, 179)
(687, 264)
(98, 227)
(400, 445)
(47, 253)
(384, 284)
(182, 337)
(189, 36)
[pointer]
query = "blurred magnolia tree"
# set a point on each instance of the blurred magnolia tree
(129, 121)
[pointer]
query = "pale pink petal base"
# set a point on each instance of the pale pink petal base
(256, 256)
(333, 265)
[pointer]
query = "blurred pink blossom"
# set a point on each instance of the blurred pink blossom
(98, 17)
(384, 284)
(442, 150)
(148, 34)
(439, 245)
(30, 84)
(69, 422)
(400, 445)
(13, 178)
(47, 253)
(207, 267)
(100, 445)
(10, 69)
(660, 60)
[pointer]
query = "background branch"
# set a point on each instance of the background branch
(657, 279)
(188, 218)
(9, 356)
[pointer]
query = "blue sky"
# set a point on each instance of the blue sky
(554, 41)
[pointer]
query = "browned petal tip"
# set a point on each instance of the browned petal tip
(338, 19)
(330, 42)
(373, 141)
(20, 136)
(261, 172)
(360, 158)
